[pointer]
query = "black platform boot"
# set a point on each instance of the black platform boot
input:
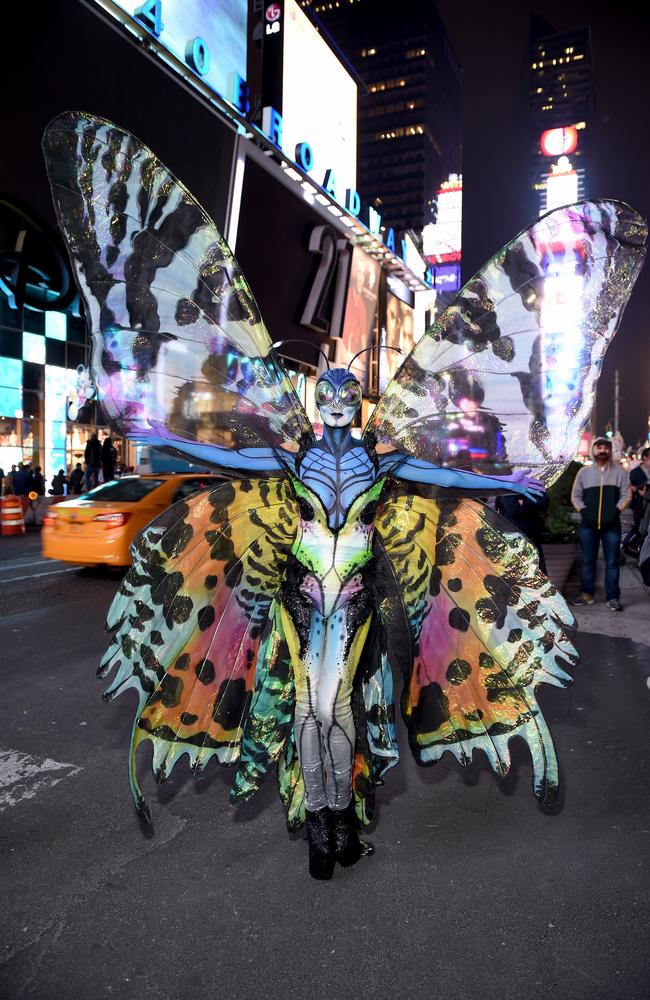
(321, 844)
(348, 848)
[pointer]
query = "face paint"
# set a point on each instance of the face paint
(338, 397)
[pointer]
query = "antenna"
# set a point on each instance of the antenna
(382, 347)
(309, 343)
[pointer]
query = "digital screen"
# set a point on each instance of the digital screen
(34, 348)
(360, 312)
(55, 325)
(561, 185)
(209, 36)
(446, 278)
(399, 332)
(11, 387)
(319, 102)
(442, 239)
(57, 382)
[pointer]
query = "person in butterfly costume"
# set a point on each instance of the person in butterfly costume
(260, 622)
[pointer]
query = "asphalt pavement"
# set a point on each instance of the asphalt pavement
(474, 890)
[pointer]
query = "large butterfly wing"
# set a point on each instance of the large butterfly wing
(505, 378)
(178, 342)
(193, 625)
(486, 627)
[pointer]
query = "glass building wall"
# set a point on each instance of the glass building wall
(40, 351)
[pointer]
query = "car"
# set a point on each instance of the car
(98, 527)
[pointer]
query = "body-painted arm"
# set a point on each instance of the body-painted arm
(416, 470)
(247, 460)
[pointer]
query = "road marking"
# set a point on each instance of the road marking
(23, 776)
(35, 576)
(6, 567)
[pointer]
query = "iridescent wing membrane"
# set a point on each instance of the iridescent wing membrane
(178, 342)
(484, 627)
(505, 378)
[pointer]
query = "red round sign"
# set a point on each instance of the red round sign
(559, 141)
(273, 12)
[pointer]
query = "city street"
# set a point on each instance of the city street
(474, 890)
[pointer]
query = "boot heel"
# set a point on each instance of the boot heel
(321, 845)
(321, 867)
(348, 849)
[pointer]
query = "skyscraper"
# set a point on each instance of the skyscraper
(561, 108)
(409, 126)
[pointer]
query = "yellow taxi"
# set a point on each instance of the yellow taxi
(98, 527)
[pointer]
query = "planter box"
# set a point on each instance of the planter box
(559, 560)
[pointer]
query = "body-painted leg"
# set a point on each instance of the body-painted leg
(324, 671)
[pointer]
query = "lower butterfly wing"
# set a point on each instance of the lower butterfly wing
(192, 618)
(486, 628)
(505, 378)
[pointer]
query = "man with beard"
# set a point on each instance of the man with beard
(600, 492)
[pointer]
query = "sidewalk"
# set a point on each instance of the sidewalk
(632, 623)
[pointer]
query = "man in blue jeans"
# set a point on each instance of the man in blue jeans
(600, 492)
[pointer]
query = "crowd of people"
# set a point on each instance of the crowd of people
(101, 465)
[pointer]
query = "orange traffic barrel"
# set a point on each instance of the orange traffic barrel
(11, 516)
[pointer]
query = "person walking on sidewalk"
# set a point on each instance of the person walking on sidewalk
(92, 458)
(639, 479)
(600, 492)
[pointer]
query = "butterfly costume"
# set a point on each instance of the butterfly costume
(263, 623)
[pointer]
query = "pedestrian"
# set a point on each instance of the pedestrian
(644, 560)
(639, 478)
(22, 480)
(37, 484)
(9, 481)
(92, 458)
(59, 484)
(77, 479)
(527, 516)
(600, 492)
(109, 455)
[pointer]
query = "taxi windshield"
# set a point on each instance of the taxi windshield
(127, 490)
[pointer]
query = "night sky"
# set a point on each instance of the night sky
(492, 44)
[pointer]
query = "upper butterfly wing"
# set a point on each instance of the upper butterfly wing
(178, 340)
(506, 376)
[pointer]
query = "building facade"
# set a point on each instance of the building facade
(561, 104)
(318, 274)
(409, 111)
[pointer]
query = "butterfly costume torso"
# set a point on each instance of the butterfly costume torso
(262, 620)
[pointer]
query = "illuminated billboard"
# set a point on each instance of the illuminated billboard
(561, 184)
(446, 278)
(442, 239)
(561, 178)
(360, 312)
(208, 36)
(559, 141)
(399, 332)
(319, 102)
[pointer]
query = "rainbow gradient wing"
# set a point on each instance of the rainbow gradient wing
(179, 347)
(485, 628)
(505, 378)
(193, 618)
